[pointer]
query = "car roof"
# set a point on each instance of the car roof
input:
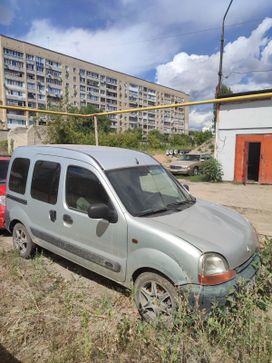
(106, 157)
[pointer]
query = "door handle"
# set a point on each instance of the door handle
(67, 219)
(52, 215)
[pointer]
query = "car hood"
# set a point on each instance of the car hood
(211, 228)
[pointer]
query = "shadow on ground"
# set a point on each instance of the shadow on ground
(81, 271)
(6, 357)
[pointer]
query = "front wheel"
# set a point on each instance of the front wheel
(155, 296)
(22, 241)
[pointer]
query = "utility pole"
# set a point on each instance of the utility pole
(96, 131)
(219, 84)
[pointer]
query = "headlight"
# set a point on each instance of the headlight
(2, 200)
(214, 269)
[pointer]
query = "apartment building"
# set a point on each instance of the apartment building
(36, 77)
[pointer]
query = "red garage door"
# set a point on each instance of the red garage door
(253, 159)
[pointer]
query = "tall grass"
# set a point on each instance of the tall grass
(45, 318)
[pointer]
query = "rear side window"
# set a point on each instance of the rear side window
(45, 181)
(18, 175)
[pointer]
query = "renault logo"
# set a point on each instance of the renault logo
(248, 249)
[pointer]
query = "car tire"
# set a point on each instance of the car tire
(195, 170)
(155, 297)
(22, 241)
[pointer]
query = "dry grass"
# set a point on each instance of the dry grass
(45, 318)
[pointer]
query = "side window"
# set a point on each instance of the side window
(83, 189)
(18, 175)
(45, 181)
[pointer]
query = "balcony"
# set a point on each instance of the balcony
(14, 67)
(12, 123)
(14, 75)
(16, 96)
(13, 56)
(15, 116)
(14, 86)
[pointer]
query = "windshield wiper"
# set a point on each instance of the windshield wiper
(151, 211)
(183, 202)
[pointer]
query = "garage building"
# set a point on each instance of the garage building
(244, 139)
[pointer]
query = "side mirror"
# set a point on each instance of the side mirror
(186, 186)
(102, 211)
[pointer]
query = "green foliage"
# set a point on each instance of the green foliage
(180, 141)
(77, 130)
(225, 90)
(128, 139)
(199, 138)
(73, 129)
(212, 170)
(155, 139)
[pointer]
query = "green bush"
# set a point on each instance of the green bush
(212, 170)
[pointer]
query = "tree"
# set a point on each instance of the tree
(155, 139)
(224, 91)
(199, 137)
(74, 129)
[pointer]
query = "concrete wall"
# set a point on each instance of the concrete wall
(254, 117)
(20, 136)
(3, 135)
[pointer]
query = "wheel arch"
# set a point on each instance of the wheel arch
(152, 260)
(13, 223)
(141, 270)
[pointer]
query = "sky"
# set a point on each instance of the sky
(171, 42)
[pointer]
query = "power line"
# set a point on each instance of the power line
(178, 35)
(257, 71)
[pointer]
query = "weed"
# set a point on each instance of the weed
(47, 319)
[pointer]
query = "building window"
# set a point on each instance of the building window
(18, 175)
(45, 181)
(13, 53)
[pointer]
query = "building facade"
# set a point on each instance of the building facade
(244, 140)
(36, 77)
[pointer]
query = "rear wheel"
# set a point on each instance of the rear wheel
(195, 170)
(22, 241)
(155, 296)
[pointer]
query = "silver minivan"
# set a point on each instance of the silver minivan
(119, 213)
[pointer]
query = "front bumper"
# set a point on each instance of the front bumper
(207, 296)
(180, 171)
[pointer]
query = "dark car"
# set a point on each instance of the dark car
(4, 163)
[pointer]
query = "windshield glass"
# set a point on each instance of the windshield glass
(3, 170)
(147, 189)
(190, 157)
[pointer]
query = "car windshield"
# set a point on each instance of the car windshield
(190, 157)
(3, 170)
(148, 190)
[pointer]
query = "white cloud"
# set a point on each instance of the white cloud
(201, 119)
(119, 48)
(197, 74)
